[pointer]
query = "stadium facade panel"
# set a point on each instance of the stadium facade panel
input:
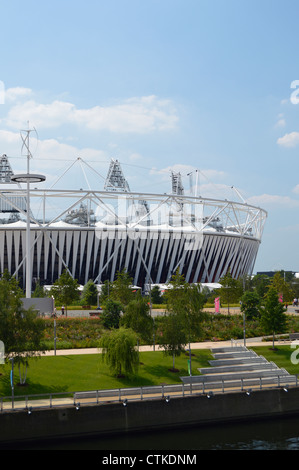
(152, 258)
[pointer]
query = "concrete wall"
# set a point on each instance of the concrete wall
(146, 415)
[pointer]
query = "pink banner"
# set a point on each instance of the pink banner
(217, 304)
(280, 298)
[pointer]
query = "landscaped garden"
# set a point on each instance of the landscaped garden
(69, 373)
(78, 372)
(86, 332)
(124, 324)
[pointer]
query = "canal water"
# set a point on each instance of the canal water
(274, 434)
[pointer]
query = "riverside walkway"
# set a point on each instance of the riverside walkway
(141, 393)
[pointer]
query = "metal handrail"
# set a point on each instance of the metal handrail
(123, 395)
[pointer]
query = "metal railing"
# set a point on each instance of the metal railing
(123, 395)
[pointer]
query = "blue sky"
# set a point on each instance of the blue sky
(189, 84)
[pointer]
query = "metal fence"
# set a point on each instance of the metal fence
(124, 395)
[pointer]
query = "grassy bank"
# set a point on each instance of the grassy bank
(54, 374)
(69, 373)
(88, 372)
(283, 355)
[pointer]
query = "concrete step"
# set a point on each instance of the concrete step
(233, 376)
(250, 360)
(229, 349)
(237, 368)
(238, 355)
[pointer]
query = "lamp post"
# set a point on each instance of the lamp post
(244, 324)
(12, 381)
(28, 178)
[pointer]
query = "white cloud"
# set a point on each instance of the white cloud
(289, 140)
(139, 115)
(48, 154)
(281, 121)
(12, 94)
(8, 137)
(40, 115)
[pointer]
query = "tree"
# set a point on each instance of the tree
(247, 282)
(137, 317)
(282, 287)
(295, 287)
(194, 314)
(29, 335)
(173, 339)
(156, 296)
(105, 291)
(119, 351)
(250, 303)
(38, 291)
(261, 283)
(122, 288)
(10, 310)
(273, 317)
(187, 299)
(111, 313)
(89, 294)
(231, 290)
(184, 306)
(21, 330)
(288, 276)
(119, 290)
(65, 289)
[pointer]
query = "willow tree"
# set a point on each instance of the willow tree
(119, 351)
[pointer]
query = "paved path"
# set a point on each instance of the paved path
(250, 342)
(155, 312)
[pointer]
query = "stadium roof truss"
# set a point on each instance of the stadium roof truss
(149, 234)
(193, 216)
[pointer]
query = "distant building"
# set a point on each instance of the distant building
(271, 273)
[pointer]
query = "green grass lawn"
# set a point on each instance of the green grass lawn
(54, 374)
(70, 373)
(283, 355)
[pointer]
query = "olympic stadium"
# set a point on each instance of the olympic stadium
(96, 233)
